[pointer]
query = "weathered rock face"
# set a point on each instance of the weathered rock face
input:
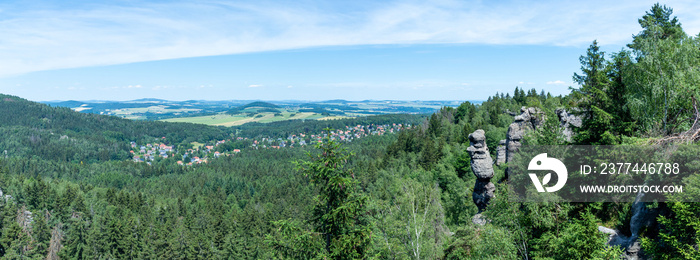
(483, 192)
(641, 217)
(479, 153)
(501, 152)
(529, 119)
(566, 121)
(482, 166)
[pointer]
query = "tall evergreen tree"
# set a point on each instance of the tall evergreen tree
(657, 24)
(597, 122)
(340, 214)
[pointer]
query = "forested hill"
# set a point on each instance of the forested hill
(290, 127)
(29, 128)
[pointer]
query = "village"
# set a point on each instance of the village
(199, 153)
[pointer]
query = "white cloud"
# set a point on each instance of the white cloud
(255, 86)
(134, 86)
(556, 82)
(44, 37)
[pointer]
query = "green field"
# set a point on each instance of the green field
(223, 119)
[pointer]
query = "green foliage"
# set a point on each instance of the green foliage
(482, 242)
(679, 235)
(550, 133)
(579, 239)
(657, 24)
(594, 99)
(662, 80)
(339, 215)
(291, 239)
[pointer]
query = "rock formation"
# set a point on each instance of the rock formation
(566, 120)
(501, 152)
(482, 167)
(529, 119)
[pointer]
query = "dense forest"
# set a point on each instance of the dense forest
(69, 190)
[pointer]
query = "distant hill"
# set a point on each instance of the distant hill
(33, 129)
(69, 103)
(264, 107)
(337, 101)
(149, 100)
(259, 104)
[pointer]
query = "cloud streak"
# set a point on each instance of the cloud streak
(556, 82)
(47, 36)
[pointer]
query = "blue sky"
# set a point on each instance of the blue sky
(305, 50)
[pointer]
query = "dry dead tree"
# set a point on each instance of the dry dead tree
(690, 136)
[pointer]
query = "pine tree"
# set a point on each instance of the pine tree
(41, 234)
(340, 213)
(75, 245)
(593, 100)
(658, 24)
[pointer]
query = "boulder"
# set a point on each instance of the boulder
(479, 219)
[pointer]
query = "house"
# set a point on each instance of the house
(236, 150)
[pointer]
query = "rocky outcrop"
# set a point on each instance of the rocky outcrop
(566, 121)
(25, 219)
(482, 167)
(501, 152)
(529, 119)
(641, 217)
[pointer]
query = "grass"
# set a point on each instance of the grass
(196, 145)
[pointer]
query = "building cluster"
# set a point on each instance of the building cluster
(196, 155)
(149, 152)
(348, 134)
(203, 153)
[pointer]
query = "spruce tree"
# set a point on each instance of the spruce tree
(340, 215)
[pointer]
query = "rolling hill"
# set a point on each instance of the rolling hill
(34, 129)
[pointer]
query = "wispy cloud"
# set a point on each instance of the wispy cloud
(255, 86)
(48, 36)
(556, 82)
